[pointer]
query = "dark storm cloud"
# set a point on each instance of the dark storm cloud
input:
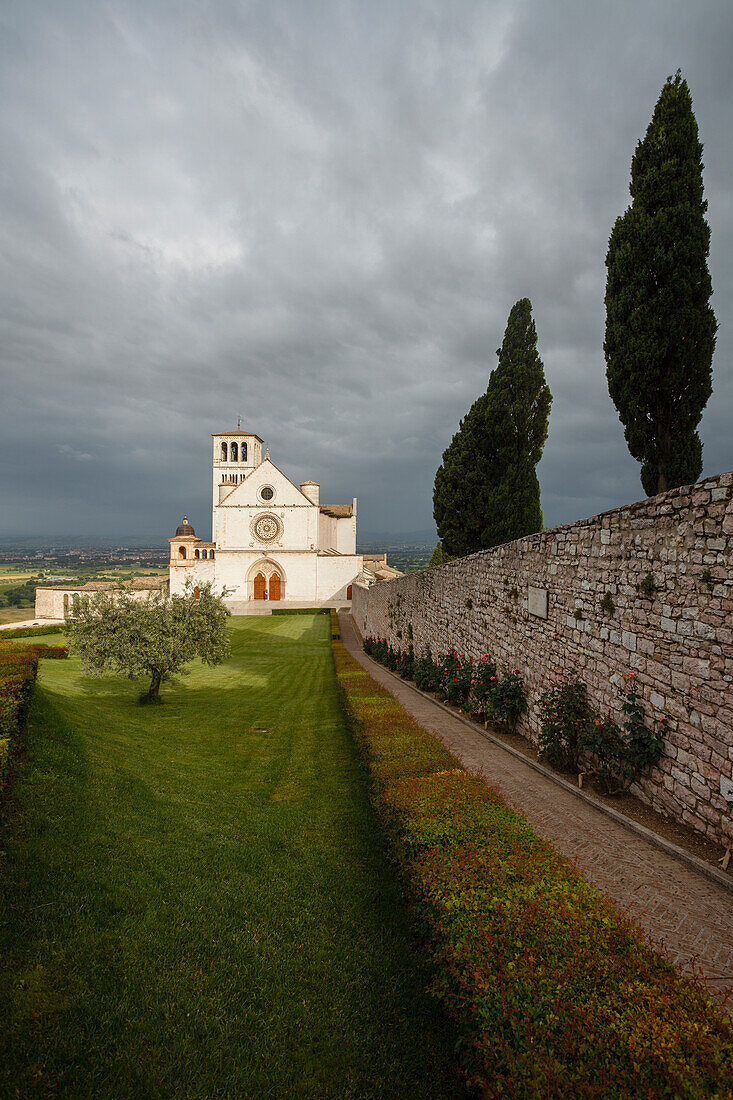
(319, 216)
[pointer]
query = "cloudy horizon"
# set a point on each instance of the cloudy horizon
(318, 218)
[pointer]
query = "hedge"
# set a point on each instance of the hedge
(554, 993)
(18, 669)
(49, 651)
(300, 610)
(31, 631)
(335, 628)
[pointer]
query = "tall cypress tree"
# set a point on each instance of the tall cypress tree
(660, 328)
(486, 490)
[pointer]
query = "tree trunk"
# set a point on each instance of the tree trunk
(153, 693)
(662, 482)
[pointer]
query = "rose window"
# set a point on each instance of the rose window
(267, 528)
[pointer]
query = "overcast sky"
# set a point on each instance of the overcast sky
(317, 215)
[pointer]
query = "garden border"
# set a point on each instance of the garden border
(667, 846)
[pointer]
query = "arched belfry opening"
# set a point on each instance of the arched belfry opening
(223, 452)
(233, 452)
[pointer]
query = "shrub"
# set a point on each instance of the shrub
(300, 610)
(573, 735)
(647, 587)
(482, 687)
(18, 669)
(509, 699)
(566, 721)
(553, 992)
(48, 651)
(620, 755)
(406, 664)
(457, 673)
(426, 673)
(30, 632)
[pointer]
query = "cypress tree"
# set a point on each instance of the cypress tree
(439, 556)
(486, 490)
(660, 328)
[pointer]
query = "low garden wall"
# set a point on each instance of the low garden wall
(647, 588)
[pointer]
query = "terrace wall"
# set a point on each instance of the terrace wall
(678, 639)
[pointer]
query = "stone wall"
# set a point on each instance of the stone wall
(677, 638)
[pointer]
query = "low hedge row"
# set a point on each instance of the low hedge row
(18, 670)
(31, 631)
(335, 628)
(47, 651)
(554, 993)
(301, 610)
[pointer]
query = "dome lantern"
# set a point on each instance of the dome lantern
(185, 528)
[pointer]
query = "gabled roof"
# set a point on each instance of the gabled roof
(252, 470)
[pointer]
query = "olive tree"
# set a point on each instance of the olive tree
(156, 637)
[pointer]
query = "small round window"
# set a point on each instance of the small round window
(267, 492)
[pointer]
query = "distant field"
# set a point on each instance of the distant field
(15, 614)
(196, 898)
(15, 574)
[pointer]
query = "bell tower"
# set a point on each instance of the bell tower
(235, 455)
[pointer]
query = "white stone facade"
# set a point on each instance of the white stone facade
(272, 541)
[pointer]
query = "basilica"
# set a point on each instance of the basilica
(271, 540)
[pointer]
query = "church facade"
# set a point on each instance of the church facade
(271, 540)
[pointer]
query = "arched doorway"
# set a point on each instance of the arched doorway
(349, 591)
(266, 580)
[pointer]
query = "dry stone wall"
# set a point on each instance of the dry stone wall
(647, 588)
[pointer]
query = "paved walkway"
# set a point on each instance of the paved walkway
(680, 910)
(31, 622)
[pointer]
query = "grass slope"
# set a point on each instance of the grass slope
(195, 897)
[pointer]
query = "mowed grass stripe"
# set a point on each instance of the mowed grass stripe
(195, 896)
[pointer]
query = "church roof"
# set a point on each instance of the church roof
(185, 528)
(309, 483)
(338, 511)
(139, 584)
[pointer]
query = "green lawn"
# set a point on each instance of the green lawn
(195, 899)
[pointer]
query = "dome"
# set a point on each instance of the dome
(185, 528)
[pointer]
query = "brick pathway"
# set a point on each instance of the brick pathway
(679, 909)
